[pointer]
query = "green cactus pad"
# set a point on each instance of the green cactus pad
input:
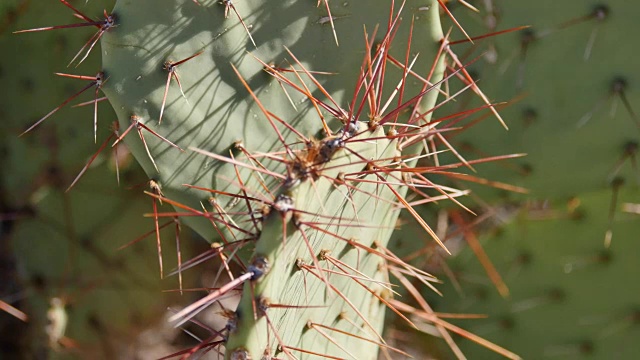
(570, 296)
(568, 112)
(216, 111)
(64, 245)
(68, 250)
(290, 281)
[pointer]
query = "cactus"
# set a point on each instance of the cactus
(33, 168)
(310, 239)
(224, 42)
(61, 247)
(81, 292)
(222, 99)
(569, 297)
(574, 95)
(573, 113)
(157, 53)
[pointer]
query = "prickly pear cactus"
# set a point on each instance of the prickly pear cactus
(36, 91)
(569, 298)
(247, 118)
(557, 282)
(195, 75)
(81, 292)
(61, 268)
(291, 134)
(573, 94)
(205, 105)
